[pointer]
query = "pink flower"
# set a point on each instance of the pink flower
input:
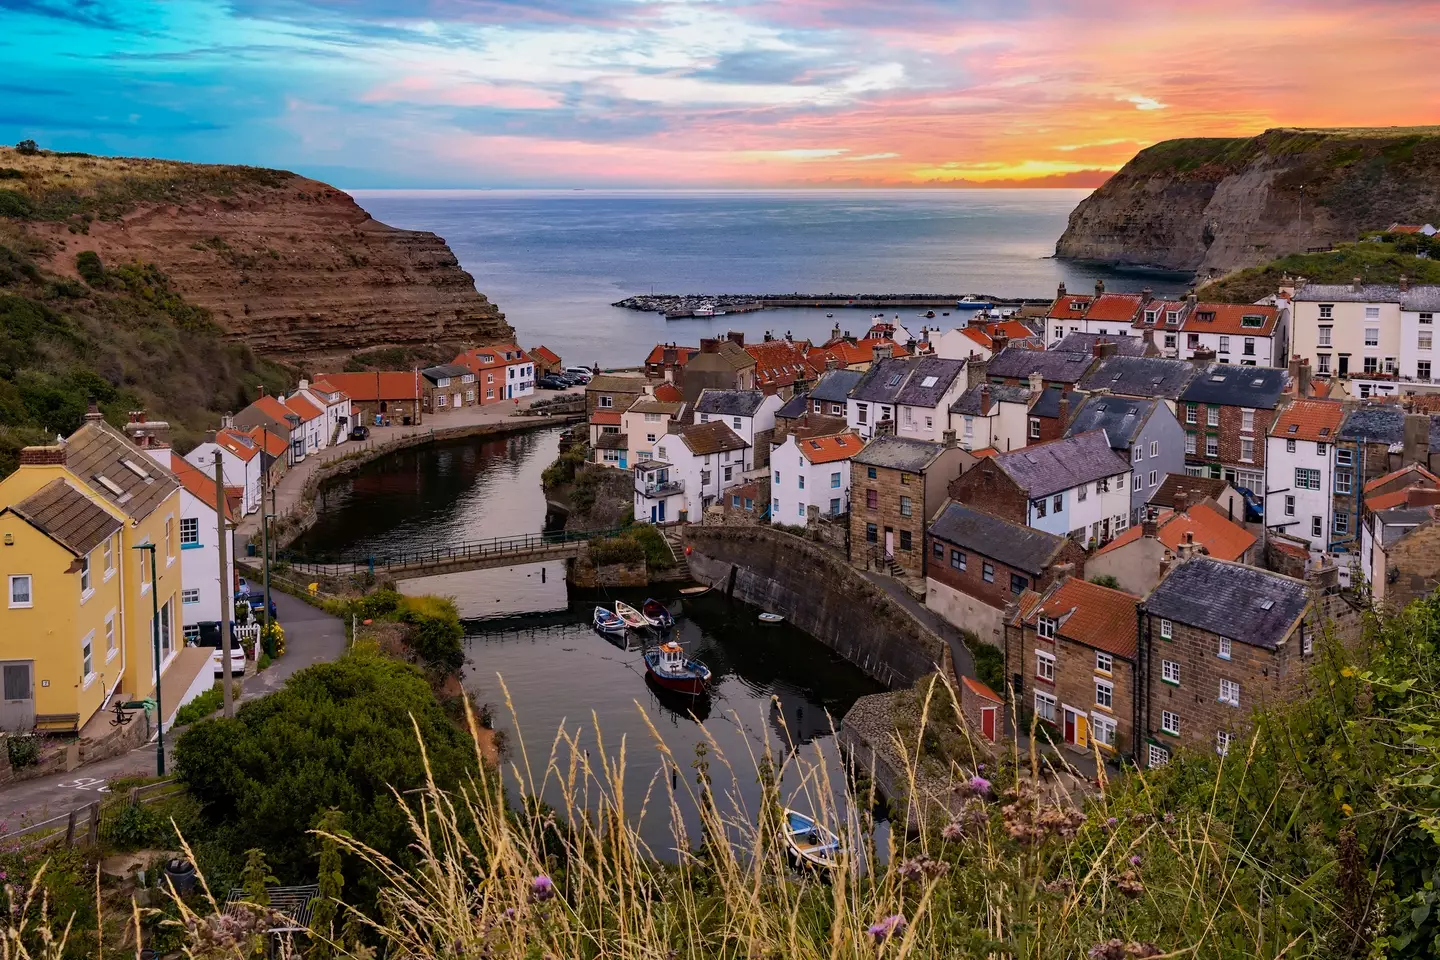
(542, 889)
(887, 928)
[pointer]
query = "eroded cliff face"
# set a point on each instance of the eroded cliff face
(290, 266)
(1215, 205)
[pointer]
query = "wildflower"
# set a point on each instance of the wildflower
(1169, 817)
(887, 928)
(1346, 809)
(1129, 884)
(1110, 823)
(1060, 885)
(979, 786)
(1118, 949)
(509, 913)
(542, 889)
(1347, 671)
(952, 831)
(1135, 860)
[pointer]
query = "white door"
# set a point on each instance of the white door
(456, 402)
(17, 708)
(889, 542)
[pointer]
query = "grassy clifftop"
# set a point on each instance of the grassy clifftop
(1384, 262)
(1325, 152)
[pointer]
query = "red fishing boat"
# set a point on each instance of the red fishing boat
(668, 666)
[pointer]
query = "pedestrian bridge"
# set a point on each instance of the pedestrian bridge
(450, 558)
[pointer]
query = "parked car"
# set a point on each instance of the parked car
(210, 637)
(242, 589)
(552, 383)
(360, 432)
(257, 606)
(582, 372)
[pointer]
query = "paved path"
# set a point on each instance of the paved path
(959, 653)
(311, 636)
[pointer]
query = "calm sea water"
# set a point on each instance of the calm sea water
(554, 261)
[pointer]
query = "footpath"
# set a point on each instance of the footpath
(311, 636)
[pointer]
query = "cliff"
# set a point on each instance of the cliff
(291, 267)
(1212, 205)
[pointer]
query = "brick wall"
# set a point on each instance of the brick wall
(1074, 685)
(1229, 435)
(971, 704)
(1416, 559)
(986, 487)
(43, 456)
(1051, 428)
(997, 593)
(889, 489)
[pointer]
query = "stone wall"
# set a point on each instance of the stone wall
(821, 594)
(585, 575)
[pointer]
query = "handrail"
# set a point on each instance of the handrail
(471, 550)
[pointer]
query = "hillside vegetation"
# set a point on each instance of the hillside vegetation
(1372, 262)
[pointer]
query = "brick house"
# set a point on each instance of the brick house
(1399, 551)
(667, 360)
(896, 484)
(1139, 557)
(1377, 447)
(1074, 648)
(1049, 414)
(391, 395)
(547, 361)
(1226, 413)
(488, 364)
(447, 386)
(982, 710)
(980, 563)
(1220, 638)
(720, 365)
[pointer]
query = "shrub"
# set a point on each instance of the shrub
(24, 749)
(91, 270)
(27, 148)
(378, 604)
(1105, 580)
(433, 632)
(605, 551)
(272, 639)
(136, 827)
(205, 704)
(263, 662)
(989, 663)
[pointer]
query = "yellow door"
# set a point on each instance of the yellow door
(1081, 724)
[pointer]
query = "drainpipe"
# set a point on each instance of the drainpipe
(1140, 711)
(120, 615)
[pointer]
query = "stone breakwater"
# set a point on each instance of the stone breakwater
(685, 305)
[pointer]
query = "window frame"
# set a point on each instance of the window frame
(1045, 666)
(28, 603)
(1170, 672)
(1104, 694)
(1229, 692)
(1046, 715)
(1170, 723)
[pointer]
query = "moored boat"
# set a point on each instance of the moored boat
(771, 618)
(632, 617)
(607, 622)
(809, 841)
(668, 666)
(694, 591)
(973, 303)
(657, 614)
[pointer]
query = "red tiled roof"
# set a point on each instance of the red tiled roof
(546, 354)
(980, 690)
(1025, 605)
(984, 333)
(325, 386)
(683, 355)
(1404, 228)
(984, 452)
(198, 485)
(1222, 538)
(779, 363)
(237, 442)
(273, 445)
(829, 449)
(1065, 307)
(272, 408)
(1419, 471)
(1093, 615)
(373, 386)
(480, 358)
(1227, 319)
(1115, 306)
(606, 418)
(861, 351)
(303, 408)
(669, 393)
(1317, 420)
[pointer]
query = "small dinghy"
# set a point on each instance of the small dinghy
(809, 841)
(607, 622)
(657, 614)
(668, 666)
(632, 617)
(695, 591)
(771, 618)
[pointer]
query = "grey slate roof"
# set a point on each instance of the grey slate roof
(1233, 385)
(1122, 418)
(1230, 600)
(67, 516)
(1141, 376)
(969, 401)
(1425, 296)
(1013, 544)
(712, 437)
(452, 370)
(729, 403)
(911, 381)
(1124, 346)
(1049, 403)
(1400, 522)
(1374, 423)
(899, 453)
(1055, 365)
(99, 450)
(794, 407)
(834, 386)
(1048, 468)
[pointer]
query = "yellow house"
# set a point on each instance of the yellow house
(144, 497)
(61, 617)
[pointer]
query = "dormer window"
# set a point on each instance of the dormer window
(1172, 317)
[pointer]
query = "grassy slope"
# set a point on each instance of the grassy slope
(1326, 150)
(1373, 262)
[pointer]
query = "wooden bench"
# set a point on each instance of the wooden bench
(57, 723)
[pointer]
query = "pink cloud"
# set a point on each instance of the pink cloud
(429, 91)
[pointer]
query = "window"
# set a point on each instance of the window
(1342, 522)
(1102, 730)
(1372, 313)
(1289, 446)
(905, 510)
(1427, 318)
(1425, 340)
(109, 635)
(1154, 478)
(1058, 503)
(189, 532)
(191, 595)
(735, 422)
(1018, 583)
(1045, 627)
(1345, 456)
(1224, 345)
(1137, 453)
(1170, 723)
(987, 570)
(1230, 692)
(939, 550)
(799, 480)
(905, 542)
(1212, 445)
(1104, 694)
(109, 552)
(1247, 450)
(1154, 448)
(777, 478)
(1371, 365)
(861, 413)
(872, 499)
(800, 509)
(1080, 492)
(1040, 507)
(1289, 505)
(1322, 364)
(1247, 420)
(735, 501)
(1170, 341)
(1170, 672)
(1166, 629)
(870, 473)
(1344, 480)
(1103, 661)
(835, 480)
(1189, 442)
(834, 506)
(1224, 651)
(1157, 756)
(1249, 347)
(87, 655)
(1044, 666)
(1327, 311)
(775, 508)
(1317, 527)
(1139, 481)
(1307, 643)
(469, 396)
(20, 595)
(959, 559)
(1044, 707)
(1322, 335)
(1307, 478)
(1212, 416)
(1222, 742)
(871, 533)
(1422, 369)
(1034, 428)
(169, 537)
(607, 402)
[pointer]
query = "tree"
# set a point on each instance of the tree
(27, 148)
(1105, 580)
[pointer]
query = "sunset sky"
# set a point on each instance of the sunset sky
(700, 93)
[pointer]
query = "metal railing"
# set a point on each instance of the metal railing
(493, 548)
(87, 825)
(661, 489)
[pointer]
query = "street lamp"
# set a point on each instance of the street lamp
(155, 637)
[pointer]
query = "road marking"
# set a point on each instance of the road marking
(98, 785)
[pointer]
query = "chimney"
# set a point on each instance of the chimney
(1191, 301)
(1060, 291)
(43, 456)
(1404, 283)
(1182, 501)
(1063, 571)
(1325, 578)
(1147, 295)
(1037, 382)
(1203, 356)
(1064, 409)
(1099, 288)
(92, 411)
(709, 345)
(1417, 439)
(209, 436)
(947, 437)
(832, 363)
(304, 384)
(881, 351)
(1104, 348)
(227, 421)
(984, 399)
(1149, 527)
(736, 337)
(152, 436)
(834, 334)
(1355, 285)
(999, 341)
(261, 389)
(1165, 567)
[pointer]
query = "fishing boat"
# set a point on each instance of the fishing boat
(632, 617)
(705, 310)
(809, 841)
(668, 666)
(771, 618)
(829, 316)
(972, 303)
(656, 614)
(607, 622)
(928, 314)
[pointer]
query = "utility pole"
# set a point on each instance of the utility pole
(265, 548)
(155, 639)
(227, 608)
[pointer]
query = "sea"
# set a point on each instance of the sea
(555, 260)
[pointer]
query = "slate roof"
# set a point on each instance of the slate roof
(1230, 600)
(1048, 403)
(1121, 418)
(918, 382)
(1047, 468)
(968, 403)
(1125, 346)
(712, 437)
(796, 406)
(612, 441)
(1096, 616)
(1400, 522)
(835, 386)
(1141, 376)
(1317, 420)
(1422, 296)
(899, 453)
(99, 450)
(1232, 385)
(610, 383)
(1375, 423)
(729, 403)
(1013, 544)
(67, 516)
(1055, 365)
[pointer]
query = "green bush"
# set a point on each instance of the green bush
(605, 551)
(657, 550)
(91, 270)
(205, 704)
(989, 662)
(433, 632)
(13, 203)
(1105, 580)
(135, 827)
(24, 749)
(378, 604)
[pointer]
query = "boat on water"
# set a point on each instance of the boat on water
(657, 614)
(829, 316)
(668, 666)
(972, 303)
(928, 314)
(695, 591)
(705, 310)
(771, 618)
(633, 618)
(607, 622)
(810, 842)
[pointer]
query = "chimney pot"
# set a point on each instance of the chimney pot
(1355, 286)
(984, 399)
(1404, 283)
(92, 411)
(1099, 288)
(1182, 501)
(1149, 527)
(1060, 291)
(1064, 409)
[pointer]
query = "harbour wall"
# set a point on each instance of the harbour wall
(819, 593)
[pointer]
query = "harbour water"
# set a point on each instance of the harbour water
(554, 261)
(773, 684)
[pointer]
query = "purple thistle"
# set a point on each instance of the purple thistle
(1135, 860)
(952, 831)
(542, 889)
(980, 785)
(1110, 823)
(887, 928)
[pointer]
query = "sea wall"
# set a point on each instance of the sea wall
(817, 591)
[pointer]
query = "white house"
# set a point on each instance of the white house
(808, 471)
(336, 404)
(199, 545)
(1251, 335)
(240, 458)
(307, 431)
(1105, 314)
(991, 416)
(659, 497)
(1300, 480)
(519, 371)
(914, 393)
(747, 412)
(647, 420)
(1076, 486)
(1376, 335)
(707, 459)
(981, 339)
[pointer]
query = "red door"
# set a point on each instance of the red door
(987, 723)
(1069, 727)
